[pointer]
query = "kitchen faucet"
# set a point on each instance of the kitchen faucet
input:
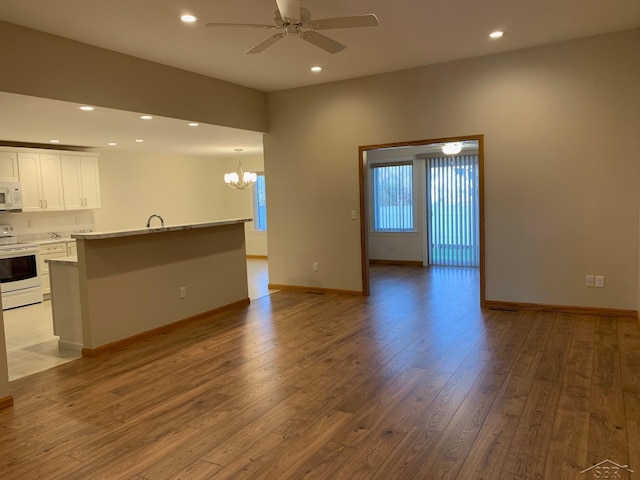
(155, 215)
(55, 235)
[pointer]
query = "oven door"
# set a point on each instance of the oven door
(19, 268)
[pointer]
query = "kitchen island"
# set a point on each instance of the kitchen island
(131, 282)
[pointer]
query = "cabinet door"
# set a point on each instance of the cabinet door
(90, 182)
(8, 166)
(51, 178)
(72, 182)
(29, 170)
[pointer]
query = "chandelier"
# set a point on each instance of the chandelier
(240, 179)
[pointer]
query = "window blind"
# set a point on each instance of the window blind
(453, 197)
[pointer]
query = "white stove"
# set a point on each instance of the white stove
(19, 270)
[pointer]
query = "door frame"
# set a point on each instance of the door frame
(364, 227)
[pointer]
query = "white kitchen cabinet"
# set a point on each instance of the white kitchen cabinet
(8, 166)
(41, 182)
(72, 248)
(49, 250)
(81, 182)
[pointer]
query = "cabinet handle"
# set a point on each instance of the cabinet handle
(46, 205)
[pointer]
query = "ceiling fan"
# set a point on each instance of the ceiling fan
(291, 18)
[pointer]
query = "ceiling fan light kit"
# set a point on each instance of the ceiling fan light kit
(452, 148)
(295, 20)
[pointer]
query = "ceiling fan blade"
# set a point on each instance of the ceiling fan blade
(325, 43)
(289, 10)
(368, 20)
(241, 25)
(262, 46)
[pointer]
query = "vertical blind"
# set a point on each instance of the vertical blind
(454, 234)
(393, 198)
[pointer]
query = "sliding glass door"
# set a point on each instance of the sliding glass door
(453, 211)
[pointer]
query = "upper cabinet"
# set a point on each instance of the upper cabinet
(41, 182)
(8, 166)
(55, 181)
(81, 182)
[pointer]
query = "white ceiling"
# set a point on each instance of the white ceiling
(36, 120)
(411, 33)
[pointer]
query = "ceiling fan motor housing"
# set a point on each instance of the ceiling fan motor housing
(305, 18)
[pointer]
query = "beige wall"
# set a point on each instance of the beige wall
(44, 65)
(182, 189)
(561, 163)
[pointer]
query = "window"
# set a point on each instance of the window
(260, 205)
(392, 191)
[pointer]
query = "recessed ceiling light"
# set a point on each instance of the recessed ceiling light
(139, 140)
(193, 124)
(146, 117)
(188, 18)
(54, 141)
(316, 69)
(496, 34)
(112, 144)
(86, 108)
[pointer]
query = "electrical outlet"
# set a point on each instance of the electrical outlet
(29, 223)
(183, 292)
(354, 215)
(599, 281)
(315, 266)
(589, 281)
(77, 220)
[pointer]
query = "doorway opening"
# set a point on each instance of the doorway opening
(442, 223)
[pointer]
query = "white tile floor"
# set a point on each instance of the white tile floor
(32, 347)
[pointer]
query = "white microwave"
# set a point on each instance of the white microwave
(10, 196)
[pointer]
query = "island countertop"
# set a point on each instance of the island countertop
(148, 230)
(68, 260)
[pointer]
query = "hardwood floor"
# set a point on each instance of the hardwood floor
(414, 382)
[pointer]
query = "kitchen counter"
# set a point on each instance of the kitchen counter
(148, 230)
(47, 241)
(126, 283)
(69, 260)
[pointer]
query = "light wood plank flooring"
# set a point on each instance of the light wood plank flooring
(414, 382)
